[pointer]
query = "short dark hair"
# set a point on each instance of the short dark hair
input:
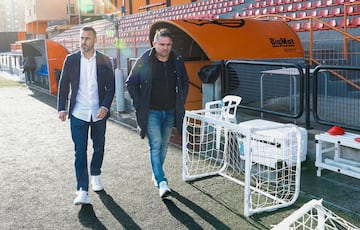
(89, 28)
(163, 32)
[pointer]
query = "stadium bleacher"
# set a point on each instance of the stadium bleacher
(134, 28)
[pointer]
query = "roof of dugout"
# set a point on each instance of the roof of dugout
(227, 39)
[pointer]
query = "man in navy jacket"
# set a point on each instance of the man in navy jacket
(89, 76)
(158, 85)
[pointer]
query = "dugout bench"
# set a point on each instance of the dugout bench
(326, 143)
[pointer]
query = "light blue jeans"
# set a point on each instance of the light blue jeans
(159, 128)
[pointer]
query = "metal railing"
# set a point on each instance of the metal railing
(268, 87)
(336, 96)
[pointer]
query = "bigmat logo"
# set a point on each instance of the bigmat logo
(282, 42)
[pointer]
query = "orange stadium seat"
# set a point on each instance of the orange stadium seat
(308, 5)
(297, 6)
(338, 2)
(249, 13)
(329, 3)
(335, 12)
(306, 25)
(264, 4)
(324, 13)
(238, 2)
(357, 10)
(280, 9)
(318, 4)
(292, 15)
(289, 8)
(273, 10)
(320, 26)
(332, 22)
(297, 26)
(354, 22)
(341, 23)
(349, 10)
(272, 3)
(301, 14)
(264, 11)
(312, 13)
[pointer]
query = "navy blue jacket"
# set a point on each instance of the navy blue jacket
(139, 87)
(70, 77)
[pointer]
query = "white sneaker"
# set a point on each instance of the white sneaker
(164, 189)
(82, 197)
(96, 183)
(154, 180)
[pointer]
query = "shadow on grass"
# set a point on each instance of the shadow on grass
(120, 215)
(186, 219)
(88, 218)
(45, 98)
(250, 221)
(181, 216)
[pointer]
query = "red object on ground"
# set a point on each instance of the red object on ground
(336, 130)
(357, 139)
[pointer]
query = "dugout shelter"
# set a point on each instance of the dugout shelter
(206, 44)
(49, 57)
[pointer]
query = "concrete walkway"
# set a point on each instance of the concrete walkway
(38, 182)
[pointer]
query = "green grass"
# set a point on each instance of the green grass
(4, 82)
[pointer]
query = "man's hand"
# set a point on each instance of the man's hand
(62, 115)
(102, 113)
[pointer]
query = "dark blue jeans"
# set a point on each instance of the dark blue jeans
(79, 134)
(159, 128)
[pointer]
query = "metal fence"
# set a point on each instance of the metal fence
(11, 63)
(293, 90)
(268, 87)
(336, 96)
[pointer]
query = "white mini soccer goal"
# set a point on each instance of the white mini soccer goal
(313, 215)
(266, 163)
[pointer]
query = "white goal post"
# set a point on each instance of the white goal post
(266, 164)
(313, 215)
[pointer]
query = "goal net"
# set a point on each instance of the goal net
(313, 215)
(265, 161)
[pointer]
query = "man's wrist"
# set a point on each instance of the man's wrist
(103, 107)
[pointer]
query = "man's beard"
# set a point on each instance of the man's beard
(85, 48)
